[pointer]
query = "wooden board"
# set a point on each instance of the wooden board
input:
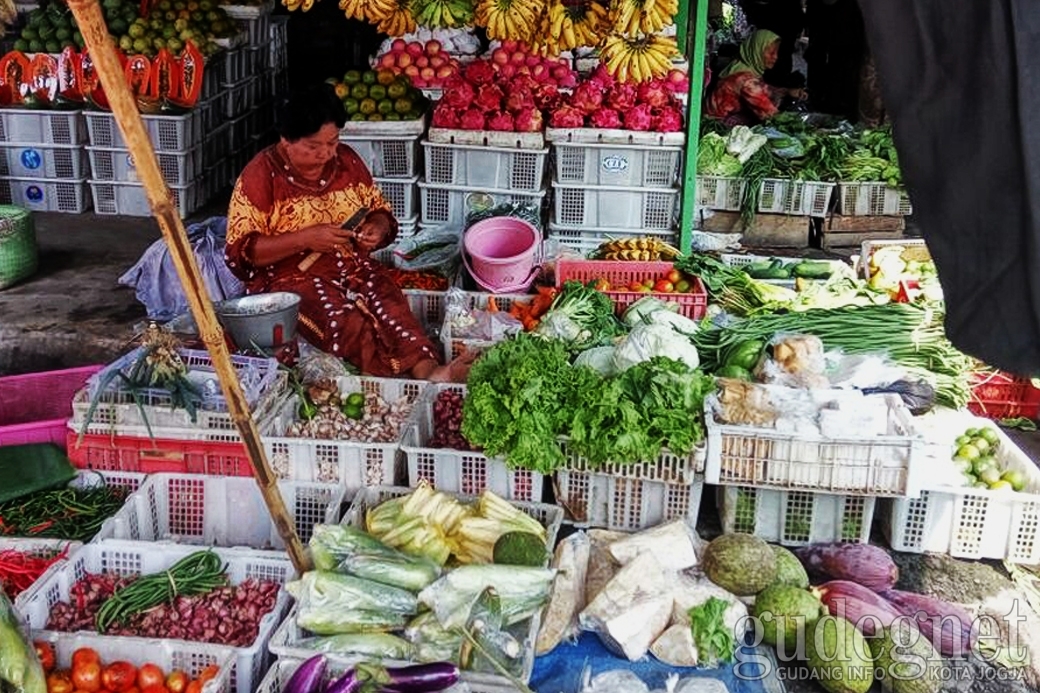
(855, 240)
(770, 230)
(842, 224)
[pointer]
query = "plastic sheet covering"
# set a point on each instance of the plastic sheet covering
(155, 279)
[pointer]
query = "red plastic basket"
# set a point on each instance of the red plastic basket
(1000, 395)
(692, 304)
(104, 452)
(35, 407)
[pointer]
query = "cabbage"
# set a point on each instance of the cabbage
(646, 341)
(599, 359)
(642, 308)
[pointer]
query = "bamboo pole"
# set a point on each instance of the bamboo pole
(91, 24)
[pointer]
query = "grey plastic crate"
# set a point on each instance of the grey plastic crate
(42, 127)
(449, 204)
(490, 167)
(387, 157)
(613, 164)
(179, 133)
(238, 98)
(129, 199)
(178, 168)
(581, 206)
(55, 162)
(68, 196)
(400, 193)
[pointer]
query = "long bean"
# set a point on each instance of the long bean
(198, 573)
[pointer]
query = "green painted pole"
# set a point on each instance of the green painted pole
(695, 51)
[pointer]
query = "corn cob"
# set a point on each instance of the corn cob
(636, 250)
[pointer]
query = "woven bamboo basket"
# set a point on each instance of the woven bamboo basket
(18, 256)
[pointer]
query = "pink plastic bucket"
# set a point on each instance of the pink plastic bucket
(503, 253)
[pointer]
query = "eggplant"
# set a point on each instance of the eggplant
(348, 683)
(418, 678)
(308, 676)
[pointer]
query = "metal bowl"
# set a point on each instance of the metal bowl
(261, 320)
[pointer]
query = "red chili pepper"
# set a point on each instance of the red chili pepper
(18, 571)
(40, 527)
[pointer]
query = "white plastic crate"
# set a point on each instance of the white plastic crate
(460, 471)
(37, 548)
(913, 249)
(64, 162)
(400, 194)
(795, 197)
(138, 558)
(795, 518)
(887, 465)
(352, 464)
(487, 138)
(631, 496)
(234, 67)
(612, 164)
(169, 133)
(168, 655)
(237, 98)
(444, 205)
(45, 195)
(873, 199)
(720, 193)
(178, 168)
(217, 511)
(586, 240)
(581, 206)
(282, 670)
(488, 167)
(965, 522)
(386, 157)
(22, 126)
(129, 199)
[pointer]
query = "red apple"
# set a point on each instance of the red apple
(433, 47)
(415, 49)
(412, 71)
(507, 71)
(422, 61)
(500, 56)
(445, 71)
(398, 46)
(427, 73)
(518, 58)
(404, 60)
(437, 61)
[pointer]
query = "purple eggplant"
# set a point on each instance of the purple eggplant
(308, 676)
(418, 678)
(348, 683)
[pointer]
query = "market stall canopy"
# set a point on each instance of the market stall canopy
(962, 84)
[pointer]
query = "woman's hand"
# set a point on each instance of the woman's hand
(326, 238)
(798, 94)
(372, 232)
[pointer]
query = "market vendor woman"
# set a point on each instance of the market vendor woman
(292, 200)
(741, 96)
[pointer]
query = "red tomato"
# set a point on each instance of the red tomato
(209, 673)
(635, 286)
(601, 285)
(177, 681)
(119, 676)
(194, 687)
(132, 689)
(664, 286)
(675, 276)
(45, 653)
(87, 677)
(84, 655)
(150, 675)
(155, 689)
(59, 682)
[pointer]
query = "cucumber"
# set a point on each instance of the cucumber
(813, 269)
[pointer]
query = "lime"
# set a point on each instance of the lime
(377, 92)
(393, 116)
(356, 399)
(402, 106)
(1001, 485)
(981, 463)
(1016, 478)
(353, 412)
(137, 30)
(369, 77)
(990, 475)
(981, 443)
(991, 436)
(961, 440)
(375, 117)
(969, 480)
(352, 77)
(350, 105)
(962, 465)
(141, 45)
(126, 43)
(30, 33)
(396, 90)
(53, 46)
(21, 45)
(358, 116)
(175, 45)
(971, 432)
(64, 33)
(359, 91)
(35, 46)
(385, 107)
(968, 452)
(367, 106)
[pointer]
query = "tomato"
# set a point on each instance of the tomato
(664, 286)
(119, 676)
(209, 673)
(194, 687)
(682, 286)
(601, 285)
(176, 682)
(45, 653)
(155, 689)
(675, 276)
(59, 682)
(132, 689)
(87, 676)
(150, 675)
(635, 286)
(84, 655)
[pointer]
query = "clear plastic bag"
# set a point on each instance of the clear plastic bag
(528, 211)
(476, 323)
(436, 250)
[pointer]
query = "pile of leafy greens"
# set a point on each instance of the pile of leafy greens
(581, 317)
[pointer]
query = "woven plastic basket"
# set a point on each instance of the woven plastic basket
(18, 257)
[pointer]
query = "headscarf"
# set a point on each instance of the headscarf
(752, 54)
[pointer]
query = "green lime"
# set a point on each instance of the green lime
(981, 443)
(21, 45)
(962, 465)
(968, 452)
(961, 440)
(990, 475)
(385, 107)
(971, 432)
(393, 116)
(369, 77)
(35, 46)
(1016, 478)
(358, 116)
(377, 92)
(126, 43)
(375, 118)
(30, 33)
(982, 463)
(353, 412)
(53, 46)
(356, 399)
(1001, 485)
(350, 104)
(991, 436)
(352, 77)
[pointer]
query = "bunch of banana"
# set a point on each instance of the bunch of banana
(634, 17)
(592, 24)
(301, 5)
(364, 9)
(564, 27)
(636, 249)
(638, 59)
(443, 13)
(393, 18)
(508, 19)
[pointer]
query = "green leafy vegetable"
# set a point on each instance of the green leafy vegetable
(714, 160)
(580, 316)
(714, 640)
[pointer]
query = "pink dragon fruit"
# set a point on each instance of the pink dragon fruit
(601, 76)
(472, 119)
(444, 116)
(519, 99)
(500, 120)
(653, 94)
(605, 118)
(622, 97)
(526, 82)
(569, 80)
(480, 72)
(587, 97)
(546, 94)
(567, 116)
(529, 120)
(458, 93)
(639, 117)
(667, 120)
(489, 97)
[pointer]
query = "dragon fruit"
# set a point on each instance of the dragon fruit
(587, 97)
(480, 72)
(472, 119)
(653, 94)
(639, 118)
(459, 94)
(667, 120)
(526, 82)
(545, 94)
(444, 116)
(528, 120)
(489, 97)
(601, 76)
(605, 118)
(567, 116)
(622, 97)
(500, 120)
(519, 99)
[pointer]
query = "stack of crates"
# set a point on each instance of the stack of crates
(240, 84)
(390, 149)
(279, 56)
(470, 171)
(256, 24)
(614, 183)
(43, 162)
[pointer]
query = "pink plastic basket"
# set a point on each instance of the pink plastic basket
(504, 253)
(35, 407)
(693, 303)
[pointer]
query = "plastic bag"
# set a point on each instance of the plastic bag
(475, 323)
(479, 211)
(436, 250)
(796, 360)
(317, 366)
